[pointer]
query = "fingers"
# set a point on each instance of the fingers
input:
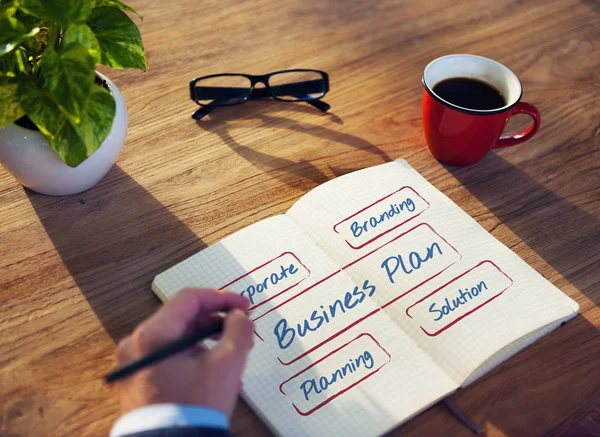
(238, 336)
(125, 352)
(179, 315)
(204, 321)
(185, 308)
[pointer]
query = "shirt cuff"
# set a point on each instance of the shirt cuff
(161, 416)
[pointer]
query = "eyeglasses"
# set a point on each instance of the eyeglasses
(233, 89)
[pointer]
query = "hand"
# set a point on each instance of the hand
(207, 378)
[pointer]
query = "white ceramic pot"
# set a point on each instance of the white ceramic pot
(28, 157)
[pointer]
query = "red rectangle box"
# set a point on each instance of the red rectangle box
(454, 303)
(382, 216)
(274, 272)
(340, 370)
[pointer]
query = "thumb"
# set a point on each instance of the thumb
(238, 335)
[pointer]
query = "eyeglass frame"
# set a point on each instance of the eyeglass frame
(264, 92)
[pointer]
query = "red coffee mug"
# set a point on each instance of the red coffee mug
(462, 136)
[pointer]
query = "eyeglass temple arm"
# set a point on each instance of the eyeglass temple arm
(202, 112)
(205, 110)
(319, 104)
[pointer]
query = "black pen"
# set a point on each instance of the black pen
(166, 351)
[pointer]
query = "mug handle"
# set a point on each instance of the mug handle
(524, 135)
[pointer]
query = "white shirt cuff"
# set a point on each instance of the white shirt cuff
(161, 416)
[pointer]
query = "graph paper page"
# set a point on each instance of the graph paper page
(326, 360)
(460, 294)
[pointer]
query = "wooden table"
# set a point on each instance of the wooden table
(75, 272)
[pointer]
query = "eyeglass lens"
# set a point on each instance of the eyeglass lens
(297, 85)
(222, 90)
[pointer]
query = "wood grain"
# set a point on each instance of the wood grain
(75, 272)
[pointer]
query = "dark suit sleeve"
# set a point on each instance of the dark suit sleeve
(182, 432)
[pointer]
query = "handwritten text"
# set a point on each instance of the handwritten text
(447, 307)
(320, 385)
(372, 222)
(272, 279)
(409, 263)
(286, 332)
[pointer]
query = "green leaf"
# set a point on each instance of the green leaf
(72, 142)
(119, 38)
(115, 4)
(7, 8)
(13, 33)
(82, 34)
(29, 21)
(10, 108)
(69, 76)
(75, 143)
(97, 119)
(69, 146)
(41, 109)
(14, 64)
(61, 12)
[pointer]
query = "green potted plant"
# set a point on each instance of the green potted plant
(62, 123)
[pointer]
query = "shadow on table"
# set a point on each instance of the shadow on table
(562, 233)
(302, 174)
(113, 239)
(593, 4)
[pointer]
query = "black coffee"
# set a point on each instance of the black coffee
(470, 93)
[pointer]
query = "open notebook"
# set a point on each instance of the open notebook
(373, 297)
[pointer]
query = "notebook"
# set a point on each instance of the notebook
(373, 297)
